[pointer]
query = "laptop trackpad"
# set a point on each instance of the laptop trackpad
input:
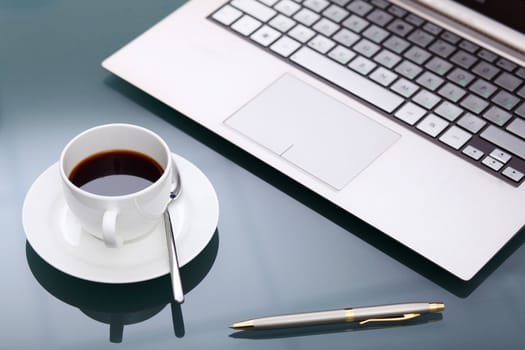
(317, 133)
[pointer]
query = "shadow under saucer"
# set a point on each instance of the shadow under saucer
(127, 303)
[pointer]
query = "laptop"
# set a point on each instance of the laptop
(408, 114)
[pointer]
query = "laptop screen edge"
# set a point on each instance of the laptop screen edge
(476, 21)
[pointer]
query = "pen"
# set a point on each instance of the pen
(363, 315)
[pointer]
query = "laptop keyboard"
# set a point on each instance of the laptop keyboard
(447, 89)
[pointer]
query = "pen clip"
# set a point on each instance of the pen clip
(405, 317)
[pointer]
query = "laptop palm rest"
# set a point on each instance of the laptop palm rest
(317, 133)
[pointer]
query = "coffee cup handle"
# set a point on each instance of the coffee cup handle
(109, 229)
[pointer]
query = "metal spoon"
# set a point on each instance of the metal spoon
(178, 293)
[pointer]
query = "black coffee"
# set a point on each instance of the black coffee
(116, 172)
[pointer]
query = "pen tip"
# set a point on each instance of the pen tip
(242, 325)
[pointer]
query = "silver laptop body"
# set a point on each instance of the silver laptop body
(354, 138)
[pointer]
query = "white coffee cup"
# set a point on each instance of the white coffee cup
(117, 219)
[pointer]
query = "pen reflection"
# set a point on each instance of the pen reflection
(332, 328)
(123, 304)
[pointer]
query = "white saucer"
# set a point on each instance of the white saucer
(57, 237)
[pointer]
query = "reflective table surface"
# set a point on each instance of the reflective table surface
(277, 249)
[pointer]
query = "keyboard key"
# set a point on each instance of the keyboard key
(417, 55)
(420, 38)
(500, 155)
(508, 81)
(379, 17)
(397, 11)
(442, 48)
(227, 15)
(301, 33)
(287, 7)
(471, 123)
(366, 48)
(404, 87)
(396, 44)
(486, 70)
(321, 43)
(246, 25)
(517, 127)
(354, 23)
(326, 27)
(282, 23)
(521, 73)
(497, 116)
(521, 110)
(463, 59)
(265, 35)
(487, 55)
(448, 111)
(429, 81)
(415, 20)
(483, 88)
(521, 92)
(504, 140)
(468, 46)
(316, 5)
(426, 99)
(347, 79)
(408, 69)
(450, 37)
(432, 125)
(438, 66)
(341, 3)
(380, 3)
(505, 100)
(285, 46)
(474, 104)
(460, 77)
(492, 163)
(345, 37)
(506, 64)
(362, 65)
(269, 2)
(255, 9)
(335, 13)
(360, 7)
(455, 137)
(400, 27)
(452, 92)
(410, 113)
(341, 54)
(383, 76)
(473, 152)
(375, 34)
(306, 17)
(432, 28)
(513, 174)
(387, 58)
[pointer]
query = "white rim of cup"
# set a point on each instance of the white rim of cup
(125, 196)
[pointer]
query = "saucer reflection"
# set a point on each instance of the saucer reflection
(123, 304)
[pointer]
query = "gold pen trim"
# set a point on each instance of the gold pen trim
(405, 317)
(436, 307)
(243, 325)
(349, 315)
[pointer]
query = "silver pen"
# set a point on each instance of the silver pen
(363, 315)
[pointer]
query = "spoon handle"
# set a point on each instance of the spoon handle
(178, 293)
